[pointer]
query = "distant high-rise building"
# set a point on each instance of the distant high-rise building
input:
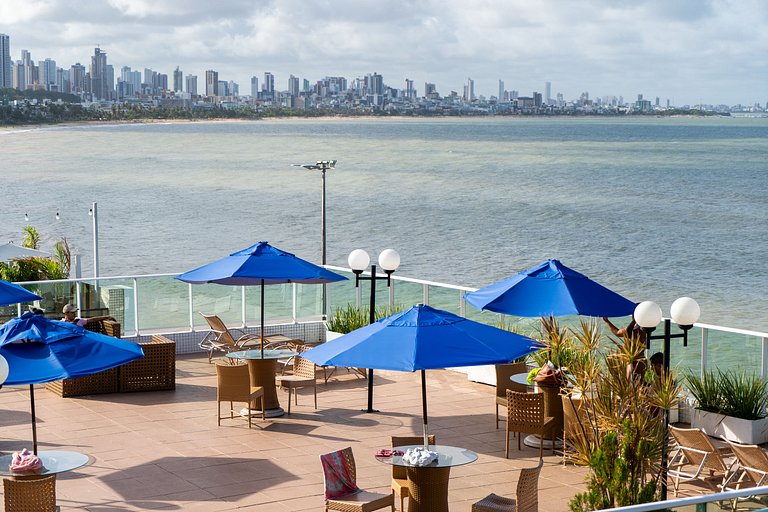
(254, 87)
(537, 99)
(469, 90)
(657, 101)
(268, 88)
(223, 88)
(6, 68)
(102, 84)
(548, 93)
(293, 85)
(178, 80)
(192, 85)
(233, 88)
(305, 86)
(47, 73)
(501, 90)
(19, 80)
(211, 83)
(77, 78)
(30, 70)
(410, 91)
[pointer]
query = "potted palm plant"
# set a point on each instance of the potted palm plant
(732, 405)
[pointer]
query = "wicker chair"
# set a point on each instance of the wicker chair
(361, 501)
(525, 413)
(526, 499)
(303, 376)
(233, 385)
(30, 495)
(753, 464)
(399, 477)
(503, 383)
(221, 338)
(695, 450)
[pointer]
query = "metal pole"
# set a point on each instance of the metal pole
(95, 212)
(664, 463)
(372, 318)
(322, 252)
(34, 418)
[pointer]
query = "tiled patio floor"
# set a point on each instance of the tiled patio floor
(163, 450)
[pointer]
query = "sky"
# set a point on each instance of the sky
(687, 51)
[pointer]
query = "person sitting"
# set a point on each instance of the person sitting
(657, 363)
(70, 316)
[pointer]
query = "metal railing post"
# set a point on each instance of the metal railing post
(136, 305)
(426, 294)
(391, 296)
(78, 291)
(704, 340)
(764, 365)
(191, 308)
(293, 300)
(462, 304)
(242, 305)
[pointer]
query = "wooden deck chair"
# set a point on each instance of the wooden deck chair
(526, 499)
(340, 482)
(752, 465)
(220, 338)
(525, 413)
(696, 459)
(399, 476)
(503, 383)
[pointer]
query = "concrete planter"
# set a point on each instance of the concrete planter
(730, 428)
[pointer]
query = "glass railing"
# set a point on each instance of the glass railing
(752, 499)
(162, 304)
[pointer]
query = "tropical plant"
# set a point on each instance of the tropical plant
(348, 318)
(731, 393)
(623, 419)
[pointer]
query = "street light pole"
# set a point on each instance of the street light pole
(94, 213)
(322, 166)
(684, 312)
(358, 260)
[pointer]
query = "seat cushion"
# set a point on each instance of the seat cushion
(373, 500)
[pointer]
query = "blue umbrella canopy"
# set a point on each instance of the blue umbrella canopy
(260, 264)
(40, 350)
(422, 338)
(550, 289)
(11, 293)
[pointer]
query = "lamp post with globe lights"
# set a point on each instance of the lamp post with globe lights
(684, 312)
(358, 261)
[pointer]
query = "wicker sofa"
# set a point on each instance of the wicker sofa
(156, 371)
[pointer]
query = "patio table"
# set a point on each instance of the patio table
(264, 376)
(54, 462)
(428, 485)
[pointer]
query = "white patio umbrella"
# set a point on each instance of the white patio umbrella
(11, 251)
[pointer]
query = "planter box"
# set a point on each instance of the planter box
(730, 428)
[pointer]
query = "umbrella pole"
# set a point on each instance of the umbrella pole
(262, 319)
(424, 407)
(34, 420)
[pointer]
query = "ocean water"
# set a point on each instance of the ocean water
(652, 208)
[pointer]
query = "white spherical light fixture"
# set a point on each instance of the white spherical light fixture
(389, 260)
(4, 370)
(358, 260)
(647, 314)
(685, 311)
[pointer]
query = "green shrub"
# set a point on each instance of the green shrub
(732, 393)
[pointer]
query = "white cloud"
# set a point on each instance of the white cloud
(689, 50)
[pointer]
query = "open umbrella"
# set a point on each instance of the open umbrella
(260, 264)
(422, 338)
(11, 293)
(11, 251)
(550, 289)
(40, 350)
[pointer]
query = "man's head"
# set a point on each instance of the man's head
(657, 361)
(70, 311)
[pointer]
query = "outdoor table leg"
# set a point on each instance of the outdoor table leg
(428, 489)
(262, 373)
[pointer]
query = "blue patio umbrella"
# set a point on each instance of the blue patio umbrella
(260, 264)
(11, 293)
(422, 338)
(550, 289)
(40, 350)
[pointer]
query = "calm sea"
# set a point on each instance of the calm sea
(652, 208)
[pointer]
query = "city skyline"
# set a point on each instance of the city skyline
(688, 52)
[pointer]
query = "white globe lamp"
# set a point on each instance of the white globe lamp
(389, 260)
(685, 311)
(358, 260)
(647, 314)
